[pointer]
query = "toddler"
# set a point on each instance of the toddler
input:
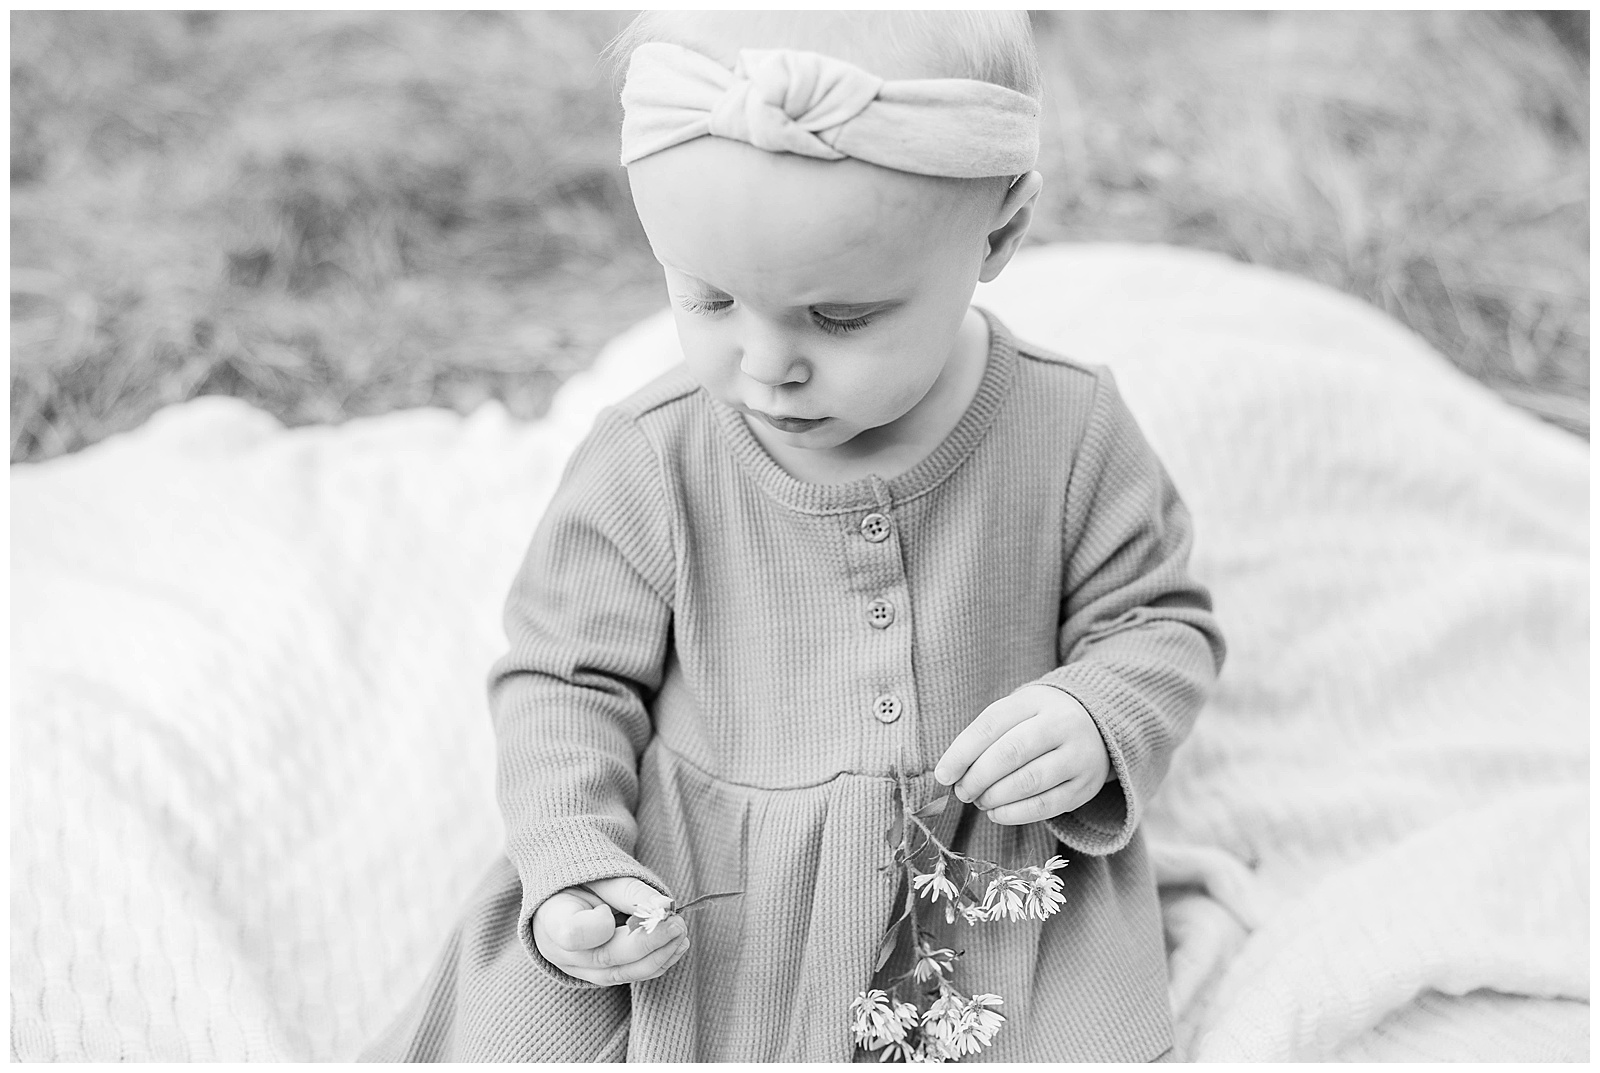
(862, 550)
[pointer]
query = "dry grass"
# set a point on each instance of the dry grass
(343, 214)
(1433, 163)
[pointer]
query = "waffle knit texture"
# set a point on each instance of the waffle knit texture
(692, 697)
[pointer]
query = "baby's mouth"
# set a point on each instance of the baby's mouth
(790, 424)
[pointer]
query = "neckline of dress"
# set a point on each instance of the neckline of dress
(871, 491)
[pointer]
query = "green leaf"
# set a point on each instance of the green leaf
(709, 899)
(933, 809)
(896, 832)
(891, 939)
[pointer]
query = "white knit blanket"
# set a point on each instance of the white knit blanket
(252, 769)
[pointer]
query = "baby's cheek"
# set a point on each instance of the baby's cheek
(707, 362)
(903, 378)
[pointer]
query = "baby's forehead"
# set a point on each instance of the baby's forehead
(711, 169)
(726, 212)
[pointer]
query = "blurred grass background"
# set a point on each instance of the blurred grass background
(339, 214)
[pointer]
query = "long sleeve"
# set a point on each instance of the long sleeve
(1138, 644)
(588, 621)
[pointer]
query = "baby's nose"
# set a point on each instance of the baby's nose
(773, 364)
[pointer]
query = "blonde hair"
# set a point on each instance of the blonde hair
(989, 46)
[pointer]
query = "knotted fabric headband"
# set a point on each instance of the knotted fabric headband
(788, 101)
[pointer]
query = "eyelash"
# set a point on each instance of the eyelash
(702, 306)
(840, 327)
(706, 307)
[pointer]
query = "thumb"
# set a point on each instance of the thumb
(572, 918)
(628, 895)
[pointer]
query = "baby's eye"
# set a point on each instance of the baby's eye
(704, 306)
(839, 325)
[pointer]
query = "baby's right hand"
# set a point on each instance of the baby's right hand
(575, 930)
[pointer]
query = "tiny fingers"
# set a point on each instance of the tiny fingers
(1011, 753)
(975, 739)
(657, 962)
(648, 967)
(1053, 802)
(618, 959)
(1034, 777)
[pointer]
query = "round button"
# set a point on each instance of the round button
(875, 527)
(886, 708)
(880, 613)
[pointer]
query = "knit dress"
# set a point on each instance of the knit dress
(718, 674)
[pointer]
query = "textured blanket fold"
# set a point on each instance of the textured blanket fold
(252, 777)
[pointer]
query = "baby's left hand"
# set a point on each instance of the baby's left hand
(1027, 757)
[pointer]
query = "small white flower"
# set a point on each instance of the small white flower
(871, 1009)
(945, 1011)
(932, 884)
(1044, 894)
(902, 1051)
(1055, 863)
(939, 1026)
(653, 916)
(1017, 891)
(1004, 898)
(934, 962)
(879, 1022)
(972, 914)
(946, 1005)
(992, 907)
(958, 1028)
(986, 1019)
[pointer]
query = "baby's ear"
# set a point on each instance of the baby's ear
(1014, 217)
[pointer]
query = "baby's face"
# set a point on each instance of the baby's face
(822, 298)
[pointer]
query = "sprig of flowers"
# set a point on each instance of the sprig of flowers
(922, 1016)
(656, 915)
(952, 1027)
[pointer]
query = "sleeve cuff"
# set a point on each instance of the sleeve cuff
(1105, 823)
